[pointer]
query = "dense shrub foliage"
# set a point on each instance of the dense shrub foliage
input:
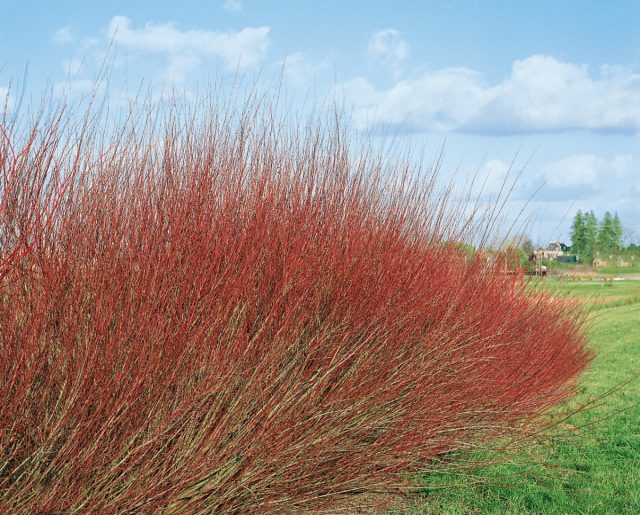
(210, 310)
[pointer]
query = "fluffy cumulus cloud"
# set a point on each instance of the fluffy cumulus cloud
(300, 72)
(545, 197)
(435, 101)
(540, 94)
(186, 50)
(495, 177)
(582, 176)
(388, 45)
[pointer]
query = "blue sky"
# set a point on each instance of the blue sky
(555, 82)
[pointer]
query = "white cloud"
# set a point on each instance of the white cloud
(541, 94)
(622, 165)
(493, 177)
(575, 171)
(582, 175)
(62, 35)
(185, 50)
(300, 72)
(388, 45)
(232, 6)
(440, 100)
(586, 182)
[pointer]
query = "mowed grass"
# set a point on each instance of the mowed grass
(591, 462)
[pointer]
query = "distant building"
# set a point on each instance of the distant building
(553, 251)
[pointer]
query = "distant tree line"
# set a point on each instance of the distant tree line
(590, 238)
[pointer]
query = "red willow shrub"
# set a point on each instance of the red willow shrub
(229, 314)
(30, 190)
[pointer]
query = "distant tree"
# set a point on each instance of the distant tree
(588, 237)
(618, 235)
(578, 235)
(605, 234)
(610, 235)
(522, 242)
(527, 246)
(591, 235)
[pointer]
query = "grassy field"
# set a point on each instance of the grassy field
(595, 467)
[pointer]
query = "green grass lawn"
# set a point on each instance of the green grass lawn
(593, 464)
